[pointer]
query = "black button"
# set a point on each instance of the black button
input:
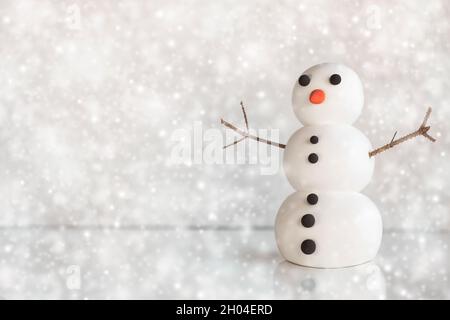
(308, 246)
(308, 220)
(314, 139)
(312, 198)
(313, 158)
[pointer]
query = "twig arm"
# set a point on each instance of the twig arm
(422, 131)
(246, 134)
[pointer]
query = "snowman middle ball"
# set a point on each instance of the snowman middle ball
(328, 157)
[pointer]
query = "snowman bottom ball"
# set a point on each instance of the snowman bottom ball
(328, 229)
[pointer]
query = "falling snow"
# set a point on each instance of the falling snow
(95, 93)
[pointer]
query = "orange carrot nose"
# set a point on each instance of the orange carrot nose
(317, 96)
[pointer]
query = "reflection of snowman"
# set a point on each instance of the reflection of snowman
(327, 223)
(365, 281)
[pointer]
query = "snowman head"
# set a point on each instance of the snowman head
(328, 93)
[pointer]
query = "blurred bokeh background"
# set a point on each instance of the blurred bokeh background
(93, 95)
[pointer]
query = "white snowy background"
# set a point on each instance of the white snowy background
(92, 93)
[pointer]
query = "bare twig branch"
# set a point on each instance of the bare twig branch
(422, 131)
(235, 142)
(246, 134)
(426, 135)
(393, 137)
(245, 115)
(427, 116)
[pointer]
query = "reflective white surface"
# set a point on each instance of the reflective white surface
(365, 281)
(92, 263)
(103, 105)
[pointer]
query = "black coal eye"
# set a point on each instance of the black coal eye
(304, 80)
(335, 79)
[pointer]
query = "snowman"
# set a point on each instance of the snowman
(327, 222)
